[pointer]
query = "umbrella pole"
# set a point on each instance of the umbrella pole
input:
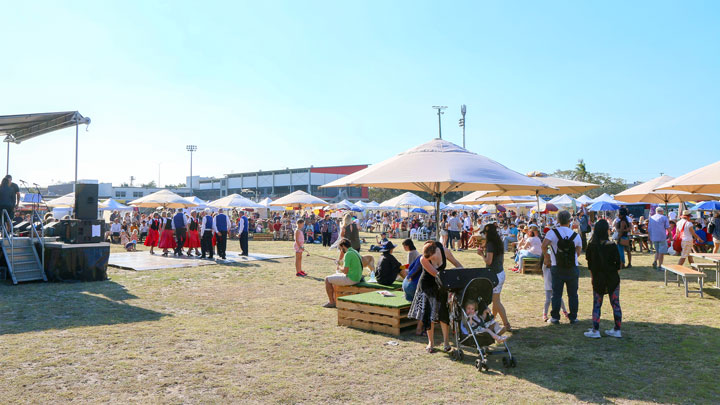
(437, 216)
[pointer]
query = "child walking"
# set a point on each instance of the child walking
(547, 277)
(299, 246)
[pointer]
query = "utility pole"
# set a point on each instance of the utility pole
(463, 110)
(439, 109)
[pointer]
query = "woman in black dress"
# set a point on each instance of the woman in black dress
(430, 304)
(603, 259)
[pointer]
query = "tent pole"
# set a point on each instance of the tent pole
(7, 169)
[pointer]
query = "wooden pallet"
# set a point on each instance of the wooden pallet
(344, 290)
(532, 265)
(392, 321)
(262, 237)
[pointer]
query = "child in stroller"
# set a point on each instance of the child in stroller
(482, 323)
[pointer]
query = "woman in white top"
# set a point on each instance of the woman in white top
(531, 246)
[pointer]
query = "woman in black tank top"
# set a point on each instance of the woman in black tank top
(430, 303)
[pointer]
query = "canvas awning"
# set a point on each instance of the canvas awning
(19, 128)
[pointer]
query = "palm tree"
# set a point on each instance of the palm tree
(580, 170)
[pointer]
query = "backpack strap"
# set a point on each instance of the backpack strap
(557, 233)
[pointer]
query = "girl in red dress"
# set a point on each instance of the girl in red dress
(153, 236)
(193, 239)
(167, 237)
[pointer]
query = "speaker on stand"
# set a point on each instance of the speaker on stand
(86, 201)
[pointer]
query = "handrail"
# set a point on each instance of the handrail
(9, 237)
(40, 236)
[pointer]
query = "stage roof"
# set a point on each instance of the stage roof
(26, 126)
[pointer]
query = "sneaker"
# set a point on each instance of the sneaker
(592, 333)
(554, 321)
(574, 321)
(654, 265)
(614, 333)
(300, 274)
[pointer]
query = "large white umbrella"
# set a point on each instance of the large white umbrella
(112, 205)
(550, 185)
(647, 193)
(703, 180)
(66, 201)
(234, 201)
(517, 199)
(406, 200)
(162, 198)
(299, 198)
(438, 167)
(471, 199)
(199, 202)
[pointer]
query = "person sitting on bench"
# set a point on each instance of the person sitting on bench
(388, 268)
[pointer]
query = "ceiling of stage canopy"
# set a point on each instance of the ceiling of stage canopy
(19, 128)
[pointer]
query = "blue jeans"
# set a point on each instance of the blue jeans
(561, 278)
(409, 288)
(507, 240)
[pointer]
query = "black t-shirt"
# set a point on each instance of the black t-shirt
(498, 257)
(388, 269)
(8, 195)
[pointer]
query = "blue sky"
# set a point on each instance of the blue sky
(631, 87)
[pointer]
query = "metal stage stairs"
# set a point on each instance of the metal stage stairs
(22, 259)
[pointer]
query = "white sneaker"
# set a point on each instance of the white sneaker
(613, 333)
(592, 333)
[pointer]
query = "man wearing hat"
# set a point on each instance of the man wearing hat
(686, 229)
(388, 267)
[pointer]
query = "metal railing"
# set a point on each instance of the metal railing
(8, 235)
(41, 236)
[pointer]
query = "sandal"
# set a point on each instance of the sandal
(430, 350)
(329, 305)
(447, 348)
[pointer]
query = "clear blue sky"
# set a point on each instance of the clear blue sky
(267, 85)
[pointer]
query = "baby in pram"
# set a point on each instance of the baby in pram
(482, 323)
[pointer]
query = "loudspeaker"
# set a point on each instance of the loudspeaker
(80, 231)
(86, 201)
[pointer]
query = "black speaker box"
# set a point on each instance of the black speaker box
(80, 231)
(86, 201)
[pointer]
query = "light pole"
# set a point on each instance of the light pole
(7, 140)
(191, 149)
(439, 109)
(463, 110)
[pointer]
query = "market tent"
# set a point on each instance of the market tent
(406, 200)
(112, 205)
(563, 201)
(703, 180)
(66, 201)
(234, 201)
(707, 206)
(162, 198)
(471, 198)
(607, 198)
(266, 204)
(647, 193)
(299, 199)
(200, 203)
(583, 199)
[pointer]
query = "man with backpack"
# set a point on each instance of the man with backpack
(565, 246)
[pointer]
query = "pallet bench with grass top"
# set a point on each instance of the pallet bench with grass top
(684, 273)
(364, 286)
(262, 237)
(372, 311)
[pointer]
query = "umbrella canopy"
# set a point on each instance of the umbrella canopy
(199, 203)
(703, 180)
(520, 199)
(646, 193)
(707, 206)
(471, 198)
(489, 208)
(162, 198)
(603, 206)
(459, 207)
(437, 167)
(112, 205)
(563, 200)
(299, 198)
(550, 185)
(583, 199)
(607, 198)
(406, 200)
(234, 201)
(418, 211)
(66, 201)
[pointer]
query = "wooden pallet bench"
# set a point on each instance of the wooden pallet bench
(372, 311)
(363, 287)
(262, 237)
(682, 272)
(532, 265)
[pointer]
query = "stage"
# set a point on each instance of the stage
(144, 261)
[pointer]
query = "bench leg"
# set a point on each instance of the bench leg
(665, 277)
(701, 279)
(686, 286)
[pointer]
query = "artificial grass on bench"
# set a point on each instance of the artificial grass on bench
(396, 285)
(374, 298)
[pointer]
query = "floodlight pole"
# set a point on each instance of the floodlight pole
(191, 149)
(439, 109)
(463, 110)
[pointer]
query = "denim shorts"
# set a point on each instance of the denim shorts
(661, 247)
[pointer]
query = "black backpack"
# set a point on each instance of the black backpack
(565, 254)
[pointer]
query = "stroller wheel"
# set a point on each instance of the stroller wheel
(513, 362)
(508, 362)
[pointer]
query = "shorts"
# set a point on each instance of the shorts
(661, 247)
(501, 281)
(716, 240)
(10, 211)
(340, 279)
(686, 248)
(454, 235)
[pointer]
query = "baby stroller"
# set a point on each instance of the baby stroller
(469, 285)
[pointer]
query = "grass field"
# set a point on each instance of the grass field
(255, 333)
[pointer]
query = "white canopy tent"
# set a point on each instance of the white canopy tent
(266, 204)
(162, 198)
(112, 205)
(66, 201)
(234, 201)
(406, 201)
(607, 198)
(563, 200)
(583, 199)
(299, 199)
(200, 204)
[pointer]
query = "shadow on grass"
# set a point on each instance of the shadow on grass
(44, 306)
